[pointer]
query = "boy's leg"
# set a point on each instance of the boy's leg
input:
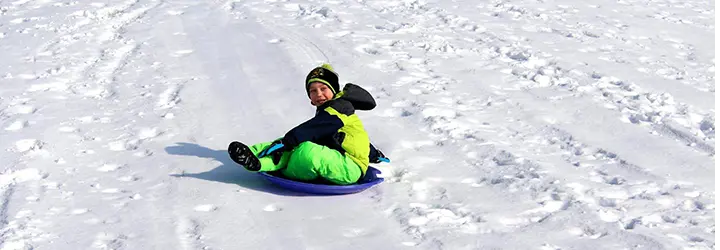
(309, 161)
(266, 163)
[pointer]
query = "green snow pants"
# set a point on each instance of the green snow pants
(308, 161)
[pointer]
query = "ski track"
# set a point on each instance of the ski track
(552, 182)
(602, 183)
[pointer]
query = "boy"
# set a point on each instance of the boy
(332, 146)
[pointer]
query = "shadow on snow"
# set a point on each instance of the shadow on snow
(228, 172)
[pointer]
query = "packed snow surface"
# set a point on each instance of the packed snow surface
(510, 124)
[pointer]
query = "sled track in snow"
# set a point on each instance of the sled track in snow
(7, 233)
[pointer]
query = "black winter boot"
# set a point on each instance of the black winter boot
(241, 154)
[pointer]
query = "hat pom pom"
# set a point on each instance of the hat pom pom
(327, 66)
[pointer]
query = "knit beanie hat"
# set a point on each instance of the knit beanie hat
(323, 74)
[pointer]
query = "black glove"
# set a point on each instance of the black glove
(379, 157)
(275, 150)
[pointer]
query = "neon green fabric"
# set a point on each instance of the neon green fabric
(327, 66)
(309, 161)
(356, 143)
(266, 163)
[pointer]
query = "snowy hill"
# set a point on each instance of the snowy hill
(510, 124)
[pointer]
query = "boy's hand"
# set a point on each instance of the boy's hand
(380, 157)
(275, 150)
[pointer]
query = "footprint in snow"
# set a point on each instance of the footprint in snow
(548, 246)
(180, 53)
(148, 133)
(133, 142)
(586, 232)
(339, 34)
(396, 112)
(109, 167)
(400, 109)
(168, 115)
(107, 240)
(272, 208)
(28, 145)
(79, 211)
(409, 243)
(168, 99)
(369, 49)
(472, 182)
(427, 217)
(91, 119)
(86, 151)
(383, 65)
(111, 220)
(123, 145)
(112, 191)
(546, 208)
(53, 211)
(24, 214)
(21, 109)
(205, 208)
(17, 125)
(175, 12)
(143, 153)
(354, 232)
(424, 191)
(129, 178)
(67, 129)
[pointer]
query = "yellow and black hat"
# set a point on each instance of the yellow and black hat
(323, 74)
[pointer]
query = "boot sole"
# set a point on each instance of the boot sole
(235, 147)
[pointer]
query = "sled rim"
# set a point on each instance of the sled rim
(326, 188)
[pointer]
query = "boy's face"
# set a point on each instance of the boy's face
(319, 93)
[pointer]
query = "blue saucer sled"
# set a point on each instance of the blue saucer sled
(370, 179)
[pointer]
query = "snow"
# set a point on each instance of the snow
(512, 124)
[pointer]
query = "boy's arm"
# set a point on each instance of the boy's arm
(373, 152)
(321, 125)
(376, 156)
